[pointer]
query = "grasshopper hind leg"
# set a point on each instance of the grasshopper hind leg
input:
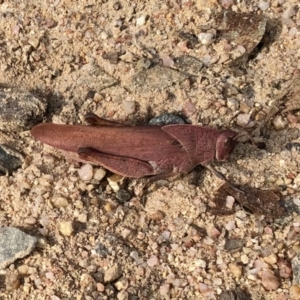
(95, 120)
(125, 166)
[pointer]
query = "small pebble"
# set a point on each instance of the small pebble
(141, 235)
(229, 202)
(100, 287)
(297, 179)
(269, 280)
(152, 261)
(235, 269)
(297, 201)
(98, 98)
(189, 108)
(167, 61)
(244, 120)
(271, 259)
(12, 282)
(135, 256)
(217, 281)
(166, 119)
(59, 202)
(66, 228)
(123, 196)
(226, 3)
(213, 232)
(86, 280)
(206, 38)
(295, 292)
(164, 289)
(230, 225)
(157, 215)
(129, 107)
(86, 172)
(113, 273)
(244, 259)
(82, 218)
(23, 270)
(179, 282)
(263, 5)
(200, 263)
(33, 41)
(114, 182)
(30, 220)
(285, 268)
(232, 104)
(292, 118)
(279, 123)
(103, 35)
(141, 20)
(99, 174)
(122, 295)
(121, 284)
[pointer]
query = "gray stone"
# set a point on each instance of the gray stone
(14, 244)
(19, 110)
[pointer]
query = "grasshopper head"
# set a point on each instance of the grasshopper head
(225, 145)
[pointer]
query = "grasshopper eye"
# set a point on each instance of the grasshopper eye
(229, 142)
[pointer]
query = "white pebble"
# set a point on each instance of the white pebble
(217, 281)
(244, 120)
(244, 259)
(141, 20)
(103, 35)
(206, 60)
(230, 225)
(263, 5)
(152, 261)
(86, 172)
(200, 263)
(297, 201)
(99, 174)
(229, 202)
(129, 107)
(82, 218)
(114, 181)
(166, 235)
(134, 255)
(293, 31)
(206, 38)
(279, 123)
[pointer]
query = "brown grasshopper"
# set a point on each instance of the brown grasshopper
(139, 151)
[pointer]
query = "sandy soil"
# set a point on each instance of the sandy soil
(110, 57)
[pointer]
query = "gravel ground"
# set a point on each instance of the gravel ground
(101, 236)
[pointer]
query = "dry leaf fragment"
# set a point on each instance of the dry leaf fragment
(257, 201)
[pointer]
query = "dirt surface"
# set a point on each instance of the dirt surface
(130, 62)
